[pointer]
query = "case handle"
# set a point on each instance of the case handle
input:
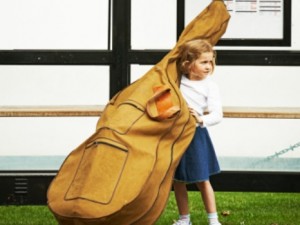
(160, 106)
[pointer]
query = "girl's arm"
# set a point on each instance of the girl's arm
(214, 107)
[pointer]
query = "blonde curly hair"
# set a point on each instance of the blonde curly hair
(191, 51)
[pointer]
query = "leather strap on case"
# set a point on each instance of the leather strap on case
(160, 105)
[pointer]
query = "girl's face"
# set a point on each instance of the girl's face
(201, 67)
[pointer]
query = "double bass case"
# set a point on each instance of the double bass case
(122, 174)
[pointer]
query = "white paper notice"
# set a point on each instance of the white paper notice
(255, 19)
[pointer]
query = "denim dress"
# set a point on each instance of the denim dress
(199, 161)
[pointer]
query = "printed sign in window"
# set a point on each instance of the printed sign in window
(255, 19)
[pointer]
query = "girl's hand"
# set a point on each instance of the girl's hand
(196, 115)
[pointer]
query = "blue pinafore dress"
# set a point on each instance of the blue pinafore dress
(199, 161)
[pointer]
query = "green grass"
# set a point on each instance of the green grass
(26, 215)
(243, 208)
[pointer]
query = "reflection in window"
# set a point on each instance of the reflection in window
(258, 144)
(42, 143)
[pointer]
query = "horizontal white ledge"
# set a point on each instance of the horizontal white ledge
(96, 110)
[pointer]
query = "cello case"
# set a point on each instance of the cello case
(122, 174)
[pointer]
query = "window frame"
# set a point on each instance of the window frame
(121, 56)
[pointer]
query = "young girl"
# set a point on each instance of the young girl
(196, 61)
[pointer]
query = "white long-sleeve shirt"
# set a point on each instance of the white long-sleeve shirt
(203, 95)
